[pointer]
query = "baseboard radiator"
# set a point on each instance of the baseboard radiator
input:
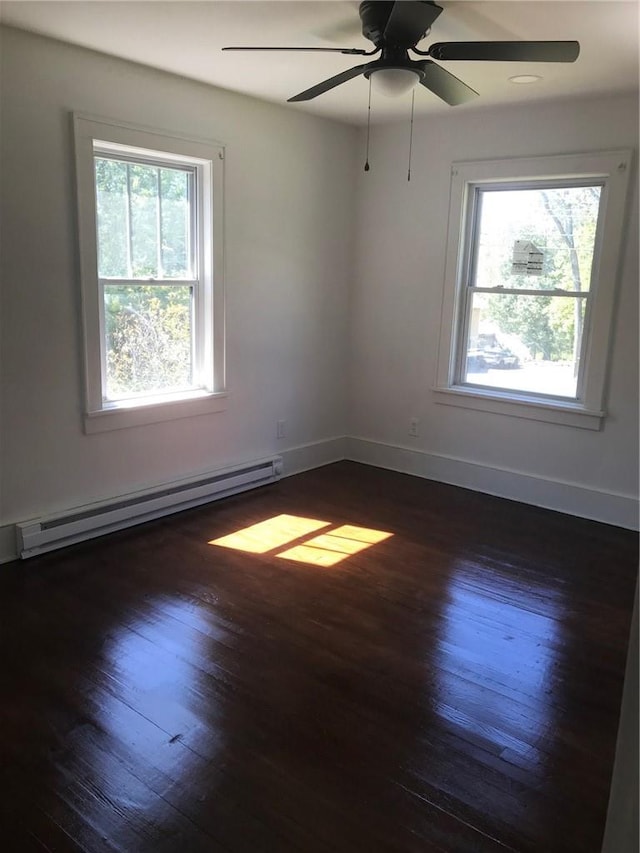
(57, 531)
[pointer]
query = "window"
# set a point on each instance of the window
(532, 260)
(150, 217)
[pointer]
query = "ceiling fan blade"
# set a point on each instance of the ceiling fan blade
(443, 84)
(507, 51)
(352, 51)
(331, 83)
(409, 20)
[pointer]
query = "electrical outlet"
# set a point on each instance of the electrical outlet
(413, 427)
(281, 429)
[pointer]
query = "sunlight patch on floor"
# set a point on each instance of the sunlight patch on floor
(272, 533)
(327, 549)
(335, 546)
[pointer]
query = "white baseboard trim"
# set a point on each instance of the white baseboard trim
(314, 455)
(571, 498)
(8, 547)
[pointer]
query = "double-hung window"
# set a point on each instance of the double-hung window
(150, 216)
(532, 262)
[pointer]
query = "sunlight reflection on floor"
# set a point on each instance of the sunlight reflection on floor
(150, 705)
(492, 661)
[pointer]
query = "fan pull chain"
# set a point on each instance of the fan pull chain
(366, 165)
(413, 98)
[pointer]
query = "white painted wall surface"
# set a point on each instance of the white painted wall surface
(289, 189)
(336, 335)
(396, 299)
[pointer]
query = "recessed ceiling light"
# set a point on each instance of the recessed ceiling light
(525, 78)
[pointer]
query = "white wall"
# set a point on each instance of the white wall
(402, 231)
(319, 312)
(289, 190)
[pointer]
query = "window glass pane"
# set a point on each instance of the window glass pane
(537, 238)
(175, 193)
(143, 211)
(144, 220)
(112, 214)
(148, 332)
(525, 343)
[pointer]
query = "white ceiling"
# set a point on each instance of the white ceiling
(185, 38)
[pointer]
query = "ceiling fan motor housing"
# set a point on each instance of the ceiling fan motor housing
(375, 15)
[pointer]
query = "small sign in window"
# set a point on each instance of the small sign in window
(527, 258)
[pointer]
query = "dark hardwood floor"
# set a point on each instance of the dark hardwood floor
(454, 686)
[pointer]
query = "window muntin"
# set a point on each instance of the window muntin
(150, 212)
(530, 260)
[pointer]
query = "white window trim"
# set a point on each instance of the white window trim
(208, 157)
(611, 168)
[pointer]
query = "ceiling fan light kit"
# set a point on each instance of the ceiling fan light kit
(394, 81)
(395, 28)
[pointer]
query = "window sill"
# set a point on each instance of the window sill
(134, 413)
(560, 412)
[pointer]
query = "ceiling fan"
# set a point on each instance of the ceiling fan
(395, 28)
